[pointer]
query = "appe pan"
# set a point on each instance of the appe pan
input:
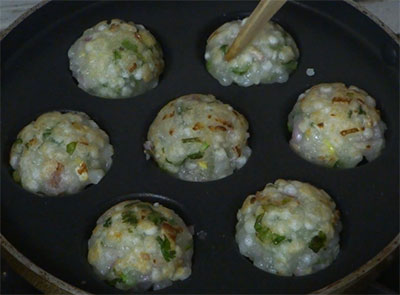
(334, 38)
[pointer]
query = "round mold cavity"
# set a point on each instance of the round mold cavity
(254, 268)
(128, 47)
(386, 132)
(211, 122)
(101, 208)
(12, 140)
(216, 23)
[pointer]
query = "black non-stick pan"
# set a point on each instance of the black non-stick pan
(341, 43)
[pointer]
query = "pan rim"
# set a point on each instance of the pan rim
(47, 282)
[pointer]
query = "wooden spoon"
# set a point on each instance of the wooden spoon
(256, 21)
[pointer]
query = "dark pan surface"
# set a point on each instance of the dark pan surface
(334, 38)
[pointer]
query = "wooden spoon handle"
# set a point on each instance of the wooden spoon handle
(257, 20)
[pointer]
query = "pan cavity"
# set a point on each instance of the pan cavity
(336, 126)
(141, 243)
(60, 153)
(270, 58)
(289, 228)
(198, 138)
(116, 59)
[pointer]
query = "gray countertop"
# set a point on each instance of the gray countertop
(386, 10)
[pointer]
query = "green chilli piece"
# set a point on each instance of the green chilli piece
(317, 242)
(130, 204)
(156, 217)
(129, 217)
(46, 133)
(192, 139)
(224, 48)
(16, 176)
(289, 127)
(18, 141)
(71, 147)
(132, 47)
(117, 55)
(290, 66)
(349, 114)
(276, 239)
(241, 70)
(361, 111)
(263, 233)
(120, 279)
(199, 154)
(114, 282)
(165, 247)
(209, 65)
(108, 222)
(193, 156)
(196, 156)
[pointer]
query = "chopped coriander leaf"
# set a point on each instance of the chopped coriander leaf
(241, 70)
(192, 139)
(361, 111)
(276, 239)
(71, 147)
(261, 231)
(123, 277)
(129, 217)
(114, 282)
(290, 66)
(46, 133)
(224, 48)
(129, 45)
(336, 164)
(156, 217)
(317, 242)
(145, 206)
(165, 247)
(349, 114)
(27, 145)
(131, 204)
(108, 222)
(172, 222)
(188, 247)
(132, 47)
(117, 55)
(18, 141)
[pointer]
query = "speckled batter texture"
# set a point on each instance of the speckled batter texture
(269, 58)
(289, 228)
(336, 126)
(198, 138)
(60, 153)
(116, 60)
(137, 245)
